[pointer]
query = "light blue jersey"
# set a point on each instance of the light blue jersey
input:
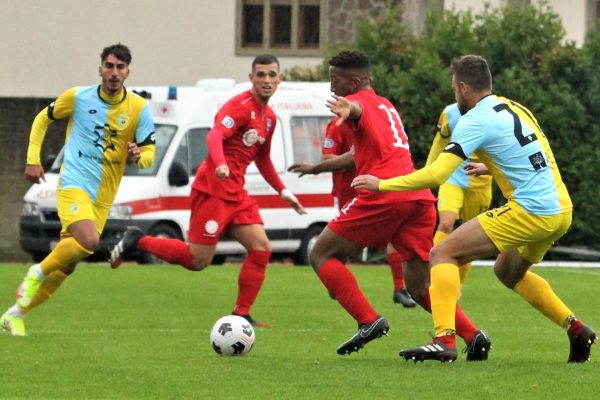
(507, 138)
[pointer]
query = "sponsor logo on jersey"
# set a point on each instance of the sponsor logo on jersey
(104, 137)
(449, 146)
(227, 122)
(251, 137)
(92, 111)
(328, 144)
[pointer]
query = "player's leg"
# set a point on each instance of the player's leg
(474, 203)
(253, 270)
(400, 294)
(463, 245)
(512, 268)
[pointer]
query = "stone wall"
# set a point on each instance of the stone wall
(15, 123)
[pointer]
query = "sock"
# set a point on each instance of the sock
(537, 292)
(444, 292)
(448, 340)
(395, 260)
(68, 251)
(173, 251)
(15, 311)
(49, 286)
(464, 327)
(250, 280)
(338, 279)
(463, 271)
(574, 326)
(439, 237)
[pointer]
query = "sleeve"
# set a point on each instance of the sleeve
(266, 168)
(330, 141)
(144, 133)
(227, 121)
(441, 139)
(60, 108)
(432, 175)
(147, 156)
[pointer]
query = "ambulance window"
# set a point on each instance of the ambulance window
(192, 149)
(307, 138)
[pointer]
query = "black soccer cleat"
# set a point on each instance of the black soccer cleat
(479, 347)
(434, 351)
(403, 297)
(126, 248)
(581, 345)
(254, 322)
(366, 333)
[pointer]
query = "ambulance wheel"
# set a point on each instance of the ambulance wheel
(162, 231)
(308, 241)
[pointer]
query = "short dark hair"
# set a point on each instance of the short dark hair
(265, 59)
(118, 50)
(473, 70)
(351, 60)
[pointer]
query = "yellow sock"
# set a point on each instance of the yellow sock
(49, 286)
(66, 252)
(539, 294)
(463, 271)
(439, 237)
(444, 292)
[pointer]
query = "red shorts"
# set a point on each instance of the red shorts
(408, 226)
(212, 215)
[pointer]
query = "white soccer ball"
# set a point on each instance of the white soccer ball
(232, 335)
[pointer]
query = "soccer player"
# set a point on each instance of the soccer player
(404, 220)
(509, 141)
(338, 140)
(241, 134)
(108, 128)
(463, 196)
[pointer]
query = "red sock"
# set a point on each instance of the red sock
(575, 328)
(338, 279)
(173, 251)
(250, 280)
(395, 260)
(448, 340)
(464, 327)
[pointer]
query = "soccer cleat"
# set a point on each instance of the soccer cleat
(366, 333)
(14, 325)
(581, 345)
(435, 351)
(479, 347)
(254, 322)
(29, 287)
(403, 297)
(126, 247)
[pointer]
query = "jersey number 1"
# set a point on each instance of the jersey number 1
(400, 137)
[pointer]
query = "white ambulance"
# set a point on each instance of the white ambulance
(156, 199)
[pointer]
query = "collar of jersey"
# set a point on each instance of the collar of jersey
(112, 100)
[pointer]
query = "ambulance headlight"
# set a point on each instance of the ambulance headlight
(120, 211)
(30, 209)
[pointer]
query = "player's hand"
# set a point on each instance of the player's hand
(222, 171)
(292, 201)
(34, 173)
(366, 182)
(340, 106)
(303, 169)
(133, 152)
(477, 169)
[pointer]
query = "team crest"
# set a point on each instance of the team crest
(123, 121)
(269, 124)
(104, 137)
(211, 227)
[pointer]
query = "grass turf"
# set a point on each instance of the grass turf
(142, 332)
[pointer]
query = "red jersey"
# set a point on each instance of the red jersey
(241, 134)
(338, 140)
(381, 146)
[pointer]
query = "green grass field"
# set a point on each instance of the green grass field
(142, 332)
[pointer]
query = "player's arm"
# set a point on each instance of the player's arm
(228, 119)
(143, 152)
(344, 108)
(333, 163)
(433, 175)
(441, 139)
(60, 108)
(267, 170)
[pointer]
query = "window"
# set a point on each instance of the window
(192, 150)
(307, 138)
(284, 27)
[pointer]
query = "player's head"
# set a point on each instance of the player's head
(349, 72)
(471, 80)
(114, 67)
(265, 77)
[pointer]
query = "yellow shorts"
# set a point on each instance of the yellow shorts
(75, 205)
(510, 227)
(466, 204)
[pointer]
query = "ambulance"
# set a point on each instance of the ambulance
(157, 199)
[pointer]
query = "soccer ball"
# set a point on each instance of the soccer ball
(232, 335)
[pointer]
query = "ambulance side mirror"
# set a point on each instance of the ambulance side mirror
(178, 175)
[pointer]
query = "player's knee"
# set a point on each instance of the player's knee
(69, 269)
(89, 241)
